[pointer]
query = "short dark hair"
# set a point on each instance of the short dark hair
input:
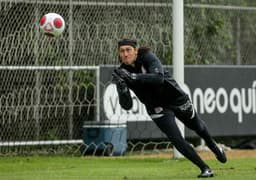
(129, 42)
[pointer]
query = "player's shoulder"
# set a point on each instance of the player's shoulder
(149, 58)
(143, 52)
(147, 55)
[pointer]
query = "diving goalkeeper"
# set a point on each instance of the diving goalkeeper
(142, 72)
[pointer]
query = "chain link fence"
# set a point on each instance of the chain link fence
(49, 104)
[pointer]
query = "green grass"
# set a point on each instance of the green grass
(113, 168)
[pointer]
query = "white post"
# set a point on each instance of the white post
(71, 72)
(178, 53)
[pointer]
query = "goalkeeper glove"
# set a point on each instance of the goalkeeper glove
(120, 83)
(126, 75)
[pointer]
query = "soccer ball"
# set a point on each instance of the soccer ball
(52, 24)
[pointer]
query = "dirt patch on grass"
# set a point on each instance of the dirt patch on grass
(231, 154)
(206, 155)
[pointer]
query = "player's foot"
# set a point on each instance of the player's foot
(206, 173)
(220, 154)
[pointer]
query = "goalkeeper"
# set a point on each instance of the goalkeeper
(142, 72)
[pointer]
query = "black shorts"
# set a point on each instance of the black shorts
(185, 111)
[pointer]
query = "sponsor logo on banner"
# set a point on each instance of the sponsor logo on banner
(239, 101)
(116, 114)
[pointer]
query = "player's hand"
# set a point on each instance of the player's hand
(120, 83)
(126, 75)
(116, 78)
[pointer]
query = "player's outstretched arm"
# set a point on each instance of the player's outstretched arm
(153, 75)
(124, 95)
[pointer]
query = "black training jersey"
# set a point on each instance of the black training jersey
(153, 87)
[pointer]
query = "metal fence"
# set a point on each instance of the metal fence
(39, 102)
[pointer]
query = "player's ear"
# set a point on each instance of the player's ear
(136, 51)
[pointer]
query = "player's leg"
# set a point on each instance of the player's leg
(167, 125)
(190, 118)
(201, 129)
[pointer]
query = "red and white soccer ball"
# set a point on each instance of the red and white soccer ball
(52, 24)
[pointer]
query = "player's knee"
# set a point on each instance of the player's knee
(195, 124)
(199, 125)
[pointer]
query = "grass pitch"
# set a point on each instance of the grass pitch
(119, 168)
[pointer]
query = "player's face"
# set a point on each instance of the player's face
(128, 54)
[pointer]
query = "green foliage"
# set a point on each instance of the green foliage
(208, 36)
(218, 35)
